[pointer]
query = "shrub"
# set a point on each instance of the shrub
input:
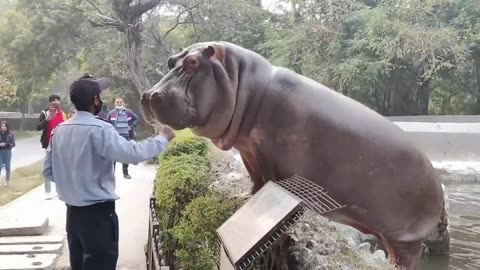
(196, 231)
(180, 180)
(186, 145)
(188, 209)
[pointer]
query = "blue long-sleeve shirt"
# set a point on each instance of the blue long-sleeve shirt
(81, 154)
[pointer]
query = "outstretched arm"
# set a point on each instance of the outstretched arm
(116, 148)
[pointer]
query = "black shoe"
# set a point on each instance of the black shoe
(126, 176)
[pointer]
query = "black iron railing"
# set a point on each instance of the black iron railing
(154, 254)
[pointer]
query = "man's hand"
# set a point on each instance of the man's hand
(167, 132)
(2, 144)
(50, 116)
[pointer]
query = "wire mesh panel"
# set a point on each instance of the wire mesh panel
(265, 217)
(268, 242)
(313, 196)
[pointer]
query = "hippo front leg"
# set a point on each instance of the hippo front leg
(255, 175)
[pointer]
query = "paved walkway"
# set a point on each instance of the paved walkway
(27, 152)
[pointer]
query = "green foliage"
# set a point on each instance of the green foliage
(180, 179)
(189, 209)
(387, 57)
(37, 38)
(196, 230)
(189, 145)
(8, 91)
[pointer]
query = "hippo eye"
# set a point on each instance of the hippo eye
(193, 62)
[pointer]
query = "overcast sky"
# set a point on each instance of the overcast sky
(271, 4)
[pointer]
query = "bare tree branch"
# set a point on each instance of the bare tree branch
(137, 10)
(95, 7)
(186, 10)
(103, 21)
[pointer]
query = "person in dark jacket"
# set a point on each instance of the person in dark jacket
(7, 142)
(124, 120)
(48, 120)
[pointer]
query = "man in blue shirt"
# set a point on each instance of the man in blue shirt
(80, 160)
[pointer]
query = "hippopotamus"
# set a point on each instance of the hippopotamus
(285, 124)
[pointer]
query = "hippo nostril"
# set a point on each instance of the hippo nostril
(171, 62)
(145, 96)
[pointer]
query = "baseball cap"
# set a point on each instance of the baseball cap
(86, 88)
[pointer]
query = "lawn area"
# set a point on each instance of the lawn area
(22, 181)
(26, 134)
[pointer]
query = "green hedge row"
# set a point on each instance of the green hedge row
(189, 209)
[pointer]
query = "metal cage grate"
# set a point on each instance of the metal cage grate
(313, 196)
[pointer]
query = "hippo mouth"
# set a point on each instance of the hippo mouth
(154, 116)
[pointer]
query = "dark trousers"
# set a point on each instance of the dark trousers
(6, 158)
(124, 166)
(92, 234)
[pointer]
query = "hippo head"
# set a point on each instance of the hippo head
(196, 93)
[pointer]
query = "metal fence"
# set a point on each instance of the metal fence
(154, 254)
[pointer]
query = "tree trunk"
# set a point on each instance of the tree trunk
(423, 98)
(134, 52)
(30, 107)
(476, 60)
(24, 109)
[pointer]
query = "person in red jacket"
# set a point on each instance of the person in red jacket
(48, 120)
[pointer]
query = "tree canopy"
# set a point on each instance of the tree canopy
(397, 57)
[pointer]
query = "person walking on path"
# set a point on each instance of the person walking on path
(7, 142)
(84, 175)
(124, 120)
(47, 121)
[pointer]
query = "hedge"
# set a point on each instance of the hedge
(189, 209)
(196, 230)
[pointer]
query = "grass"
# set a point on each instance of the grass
(26, 134)
(22, 181)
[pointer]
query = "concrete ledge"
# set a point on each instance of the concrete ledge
(28, 262)
(30, 249)
(21, 240)
(23, 226)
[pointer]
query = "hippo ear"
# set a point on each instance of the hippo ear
(209, 51)
(216, 51)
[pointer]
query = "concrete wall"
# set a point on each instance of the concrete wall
(444, 138)
(437, 118)
(14, 118)
(441, 137)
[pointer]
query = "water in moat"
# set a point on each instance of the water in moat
(464, 213)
